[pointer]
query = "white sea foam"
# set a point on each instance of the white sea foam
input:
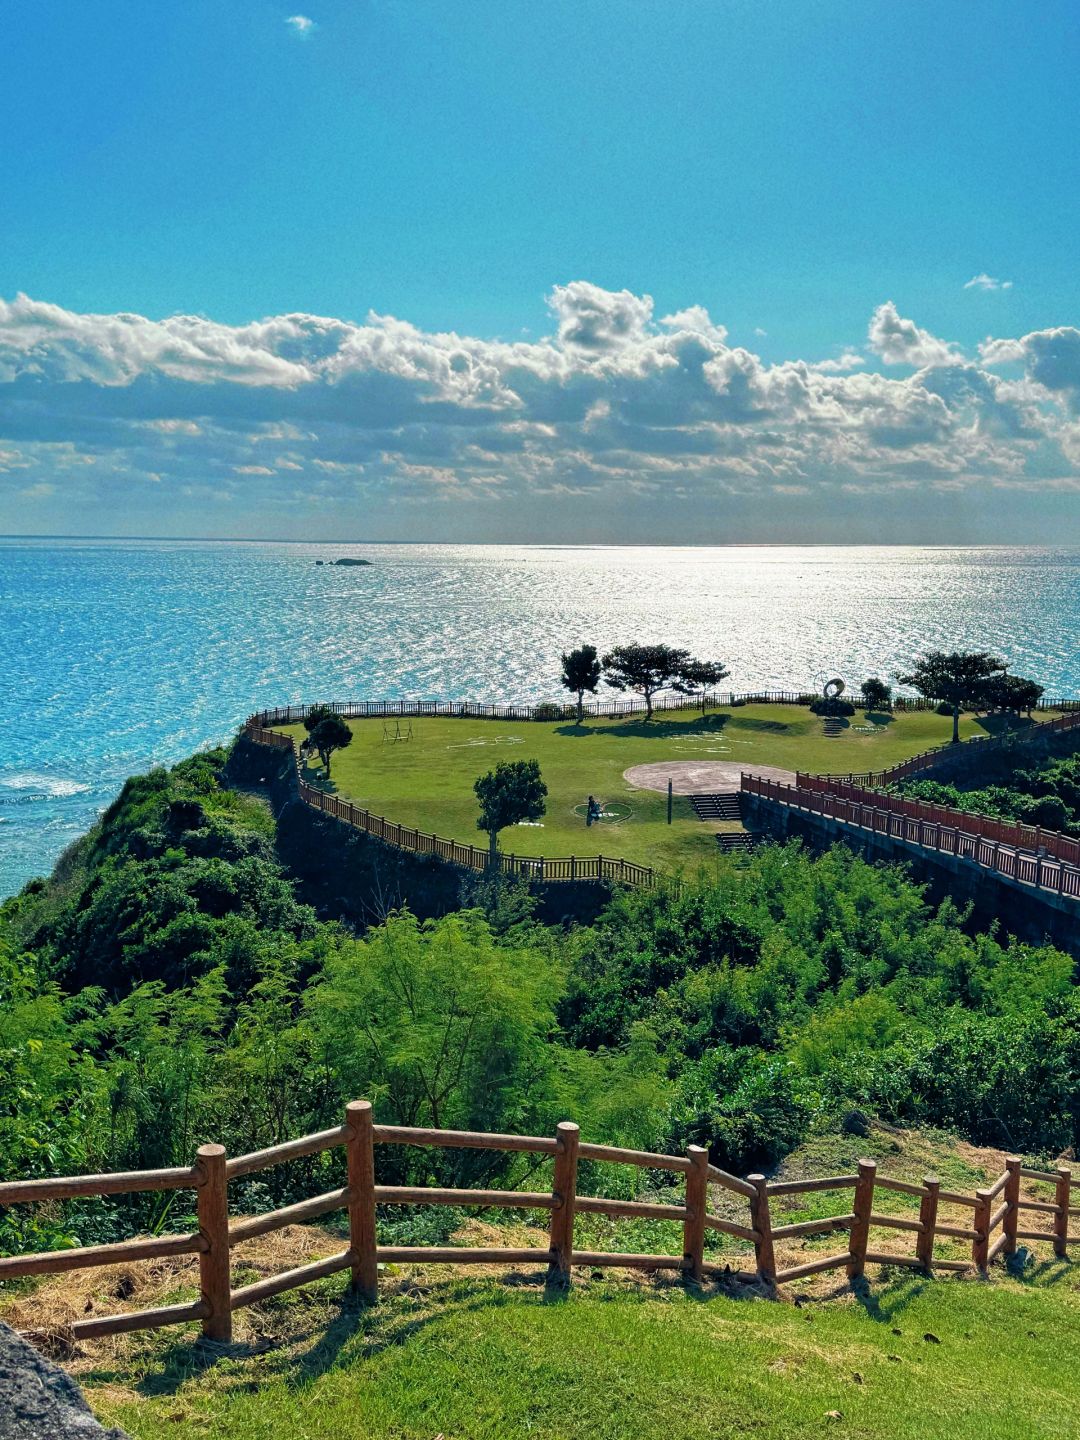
(47, 787)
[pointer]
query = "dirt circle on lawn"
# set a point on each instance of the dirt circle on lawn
(696, 777)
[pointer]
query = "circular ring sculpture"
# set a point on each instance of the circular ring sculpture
(833, 688)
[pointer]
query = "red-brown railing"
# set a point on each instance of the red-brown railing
(560, 868)
(1007, 832)
(885, 815)
(218, 1234)
(983, 744)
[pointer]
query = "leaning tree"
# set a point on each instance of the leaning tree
(697, 677)
(510, 793)
(644, 669)
(329, 734)
(956, 678)
(581, 672)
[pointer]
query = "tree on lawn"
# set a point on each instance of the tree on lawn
(956, 679)
(316, 715)
(876, 694)
(700, 676)
(330, 734)
(581, 672)
(1014, 693)
(510, 793)
(644, 669)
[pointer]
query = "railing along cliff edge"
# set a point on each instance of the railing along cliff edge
(995, 845)
(997, 1208)
(472, 857)
(981, 744)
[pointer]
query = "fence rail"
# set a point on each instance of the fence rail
(984, 744)
(218, 1234)
(546, 868)
(1006, 832)
(550, 710)
(886, 815)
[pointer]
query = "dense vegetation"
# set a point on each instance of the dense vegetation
(1042, 792)
(166, 986)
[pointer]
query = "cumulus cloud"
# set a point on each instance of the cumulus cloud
(982, 281)
(614, 407)
(300, 24)
(901, 342)
(597, 321)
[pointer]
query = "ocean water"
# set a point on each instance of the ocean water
(116, 655)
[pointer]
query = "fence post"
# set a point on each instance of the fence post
(981, 1224)
(924, 1245)
(1061, 1219)
(1012, 1215)
(697, 1203)
(761, 1222)
(360, 1159)
(862, 1205)
(564, 1194)
(212, 1204)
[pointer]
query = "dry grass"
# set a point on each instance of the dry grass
(46, 1310)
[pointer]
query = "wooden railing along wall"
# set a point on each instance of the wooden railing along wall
(992, 844)
(994, 1228)
(976, 747)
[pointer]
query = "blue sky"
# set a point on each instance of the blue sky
(788, 168)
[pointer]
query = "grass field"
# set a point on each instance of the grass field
(487, 1360)
(488, 1355)
(427, 781)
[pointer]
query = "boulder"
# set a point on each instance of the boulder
(39, 1401)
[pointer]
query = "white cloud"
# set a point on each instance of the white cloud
(300, 24)
(982, 281)
(901, 342)
(614, 407)
(849, 360)
(596, 320)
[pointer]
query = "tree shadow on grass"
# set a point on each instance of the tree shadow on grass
(773, 727)
(654, 729)
(318, 779)
(1002, 724)
(880, 718)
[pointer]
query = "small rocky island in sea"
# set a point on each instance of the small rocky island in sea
(346, 561)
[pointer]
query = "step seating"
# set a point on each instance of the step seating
(721, 805)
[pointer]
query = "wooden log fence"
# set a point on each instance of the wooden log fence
(218, 1236)
(1051, 868)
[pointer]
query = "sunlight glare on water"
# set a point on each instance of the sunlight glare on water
(115, 655)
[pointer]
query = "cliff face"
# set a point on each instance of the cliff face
(39, 1401)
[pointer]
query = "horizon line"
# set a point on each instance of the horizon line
(574, 544)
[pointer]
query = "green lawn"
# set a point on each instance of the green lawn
(475, 1358)
(427, 782)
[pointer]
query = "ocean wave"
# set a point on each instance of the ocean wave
(31, 785)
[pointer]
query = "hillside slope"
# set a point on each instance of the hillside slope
(486, 1355)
